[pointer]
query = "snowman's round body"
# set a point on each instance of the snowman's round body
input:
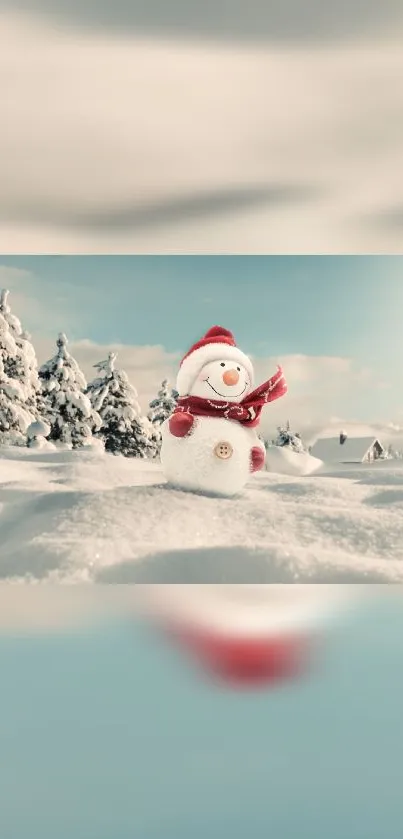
(215, 457)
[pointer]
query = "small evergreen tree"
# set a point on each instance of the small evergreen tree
(64, 406)
(163, 405)
(161, 408)
(286, 437)
(124, 430)
(392, 454)
(18, 377)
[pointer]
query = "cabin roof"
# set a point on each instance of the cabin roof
(353, 450)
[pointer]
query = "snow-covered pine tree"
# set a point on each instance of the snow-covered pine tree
(286, 437)
(161, 408)
(163, 405)
(124, 430)
(64, 405)
(19, 382)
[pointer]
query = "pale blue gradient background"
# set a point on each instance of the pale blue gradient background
(109, 736)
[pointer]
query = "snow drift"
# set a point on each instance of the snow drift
(86, 516)
(284, 461)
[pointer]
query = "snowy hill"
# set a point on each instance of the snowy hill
(87, 516)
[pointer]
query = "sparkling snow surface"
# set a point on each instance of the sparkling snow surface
(86, 516)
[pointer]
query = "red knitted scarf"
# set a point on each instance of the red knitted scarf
(247, 412)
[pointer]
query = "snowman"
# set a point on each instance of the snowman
(210, 444)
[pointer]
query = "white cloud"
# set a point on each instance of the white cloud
(320, 388)
(121, 123)
(328, 393)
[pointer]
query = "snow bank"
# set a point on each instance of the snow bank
(240, 566)
(38, 429)
(37, 433)
(284, 461)
(41, 444)
(79, 516)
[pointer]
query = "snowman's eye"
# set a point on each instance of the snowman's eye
(222, 364)
(239, 369)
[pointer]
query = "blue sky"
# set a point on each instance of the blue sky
(334, 322)
(344, 306)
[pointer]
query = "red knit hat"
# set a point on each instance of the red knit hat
(218, 343)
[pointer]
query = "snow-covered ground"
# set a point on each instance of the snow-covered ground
(86, 516)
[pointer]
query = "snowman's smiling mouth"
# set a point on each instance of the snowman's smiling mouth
(223, 395)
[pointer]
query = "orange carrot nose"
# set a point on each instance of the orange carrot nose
(230, 377)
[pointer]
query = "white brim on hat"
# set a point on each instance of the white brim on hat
(194, 363)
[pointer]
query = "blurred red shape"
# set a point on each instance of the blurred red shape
(249, 661)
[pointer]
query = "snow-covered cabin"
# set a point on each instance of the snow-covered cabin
(343, 449)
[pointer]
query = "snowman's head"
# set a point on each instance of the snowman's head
(222, 379)
(215, 368)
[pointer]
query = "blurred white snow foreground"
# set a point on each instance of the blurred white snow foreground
(249, 636)
(85, 516)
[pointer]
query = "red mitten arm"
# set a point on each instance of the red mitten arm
(257, 459)
(181, 424)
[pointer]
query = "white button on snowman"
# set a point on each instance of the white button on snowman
(210, 444)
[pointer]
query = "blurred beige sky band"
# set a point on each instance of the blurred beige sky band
(165, 142)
